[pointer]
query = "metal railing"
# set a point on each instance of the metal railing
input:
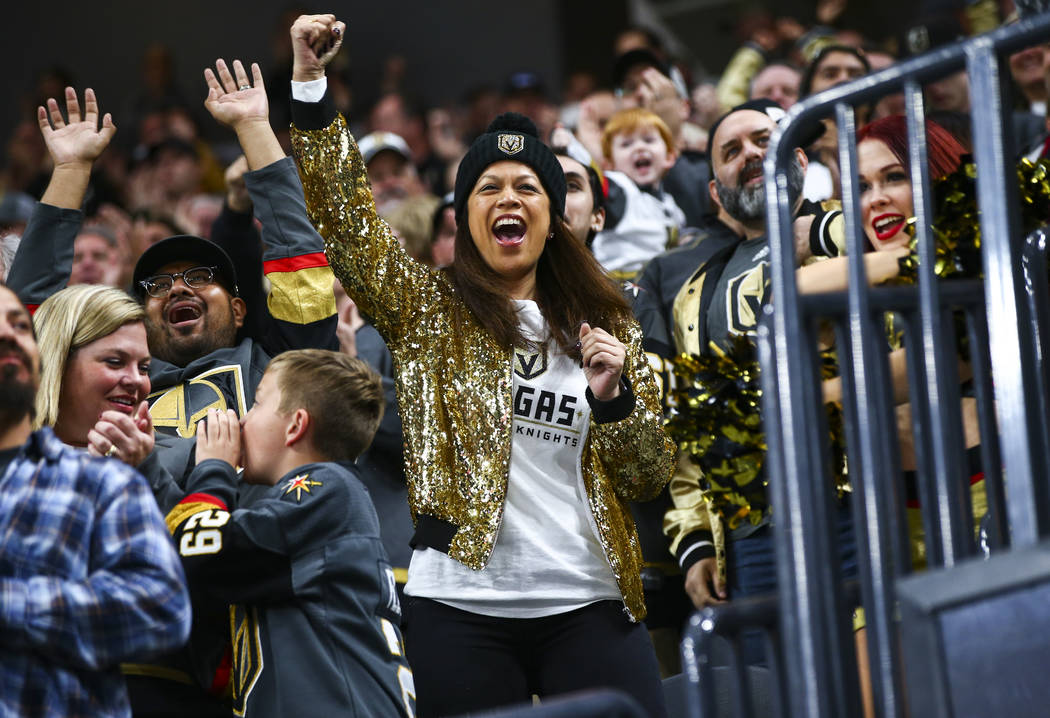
(1004, 320)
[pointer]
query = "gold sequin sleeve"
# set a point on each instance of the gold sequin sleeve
(636, 453)
(385, 283)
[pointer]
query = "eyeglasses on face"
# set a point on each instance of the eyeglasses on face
(196, 277)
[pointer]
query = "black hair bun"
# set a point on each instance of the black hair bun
(514, 122)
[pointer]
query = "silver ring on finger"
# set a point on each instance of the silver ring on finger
(111, 451)
(245, 87)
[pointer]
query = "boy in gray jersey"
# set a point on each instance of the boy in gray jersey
(314, 615)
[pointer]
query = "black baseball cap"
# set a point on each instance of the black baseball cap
(183, 248)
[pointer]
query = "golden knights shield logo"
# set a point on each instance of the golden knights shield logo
(745, 295)
(182, 406)
(529, 365)
(510, 144)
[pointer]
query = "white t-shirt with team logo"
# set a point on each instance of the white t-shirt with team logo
(547, 558)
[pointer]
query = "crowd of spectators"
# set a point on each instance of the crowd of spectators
(162, 176)
(648, 191)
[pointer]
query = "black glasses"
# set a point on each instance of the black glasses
(160, 284)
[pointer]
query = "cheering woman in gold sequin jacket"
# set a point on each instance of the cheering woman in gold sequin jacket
(530, 415)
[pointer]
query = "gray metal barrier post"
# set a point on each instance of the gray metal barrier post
(815, 638)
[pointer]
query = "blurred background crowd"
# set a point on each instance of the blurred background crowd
(429, 77)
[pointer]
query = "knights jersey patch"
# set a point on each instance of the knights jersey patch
(299, 484)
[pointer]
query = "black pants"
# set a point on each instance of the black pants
(466, 662)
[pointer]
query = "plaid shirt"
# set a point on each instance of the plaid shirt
(88, 578)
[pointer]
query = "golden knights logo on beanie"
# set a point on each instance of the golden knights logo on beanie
(510, 144)
(510, 137)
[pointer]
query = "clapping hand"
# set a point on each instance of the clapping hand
(124, 437)
(219, 437)
(78, 142)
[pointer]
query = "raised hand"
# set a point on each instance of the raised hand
(603, 359)
(316, 39)
(442, 135)
(657, 93)
(237, 197)
(232, 100)
(828, 11)
(346, 330)
(595, 110)
(561, 136)
(79, 141)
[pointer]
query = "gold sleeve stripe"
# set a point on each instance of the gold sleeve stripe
(184, 510)
(303, 296)
(154, 671)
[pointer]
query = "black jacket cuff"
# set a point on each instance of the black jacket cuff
(432, 532)
(618, 409)
(694, 548)
(314, 115)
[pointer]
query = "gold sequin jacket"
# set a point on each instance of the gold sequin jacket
(454, 383)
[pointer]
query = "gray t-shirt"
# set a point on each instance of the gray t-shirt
(740, 292)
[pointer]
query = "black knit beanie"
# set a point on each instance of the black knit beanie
(511, 136)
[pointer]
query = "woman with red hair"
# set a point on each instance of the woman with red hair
(884, 175)
(886, 202)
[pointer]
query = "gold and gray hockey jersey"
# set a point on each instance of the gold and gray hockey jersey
(314, 614)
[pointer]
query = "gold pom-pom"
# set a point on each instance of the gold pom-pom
(717, 421)
(956, 229)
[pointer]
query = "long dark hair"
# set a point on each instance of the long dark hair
(571, 288)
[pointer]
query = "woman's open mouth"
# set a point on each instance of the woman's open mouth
(509, 230)
(887, 225)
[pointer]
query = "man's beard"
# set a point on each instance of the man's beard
(166, 344)
(748, 203)
(16, 395)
